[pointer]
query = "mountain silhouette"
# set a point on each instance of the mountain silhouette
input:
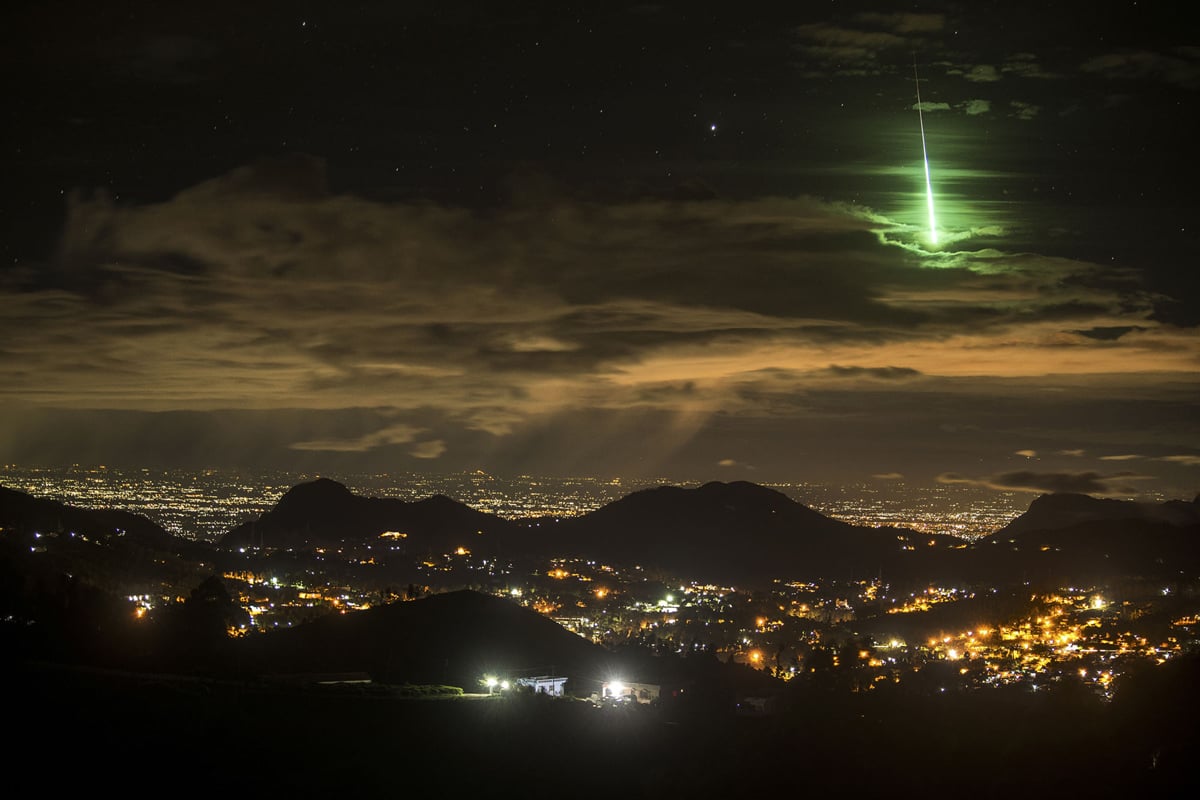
(724, 532)
(24, 512)
(1065, 539)
(1064, 510)
(733, 532)
(748, 535)
(453, 638)
(326, 513)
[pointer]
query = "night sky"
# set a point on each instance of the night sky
(604, 239)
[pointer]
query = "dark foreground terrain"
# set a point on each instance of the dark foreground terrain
(75, 729)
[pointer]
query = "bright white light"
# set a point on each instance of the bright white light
(933, 237)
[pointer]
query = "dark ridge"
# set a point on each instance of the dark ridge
(733, 533)
(26, 513)
(1064, 510)
(326, 513)
(452, 638)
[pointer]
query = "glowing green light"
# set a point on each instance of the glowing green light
(929, 200)
(925, 153)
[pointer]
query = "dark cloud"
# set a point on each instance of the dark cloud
(861, 45)
(1069, 482)
(1182, 68)
(882, 373)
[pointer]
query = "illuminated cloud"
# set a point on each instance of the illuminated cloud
(982, 73)
(1023, 110)
(731, 462)
(1186, 460)
(974, 108)
(520, 329)
(1026, 65)
(395, 434)
(1026, 453)
(428, 450)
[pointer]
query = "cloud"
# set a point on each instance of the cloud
(926, 105)
(904, 22)
(857, 47)
(1076, 452)
(888, 476)
(1026, 453)
(1023, 110)
(394, 434)
(1186, 460)
(881, 373)
(262, 290)
(1124, 457)
(982, 73)
(1065, 482)
(974, 108)
(1181, 69)
(1025, 65)
(428, 450)
(729, 463)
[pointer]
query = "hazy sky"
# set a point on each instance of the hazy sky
(627, 239)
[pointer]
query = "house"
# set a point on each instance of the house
(545, 684)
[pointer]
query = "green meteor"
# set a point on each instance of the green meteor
(928, 185)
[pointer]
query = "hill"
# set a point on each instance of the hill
(452, 638)
(724, 532)
(1065, 510)
(735, 532)
(324, 513)
(27, 514)
(1068, 539)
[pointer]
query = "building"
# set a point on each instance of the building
(545, 684)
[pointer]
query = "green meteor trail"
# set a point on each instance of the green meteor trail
(928, 185)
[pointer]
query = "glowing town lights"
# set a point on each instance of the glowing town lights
(601, 593)
(462, 551)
